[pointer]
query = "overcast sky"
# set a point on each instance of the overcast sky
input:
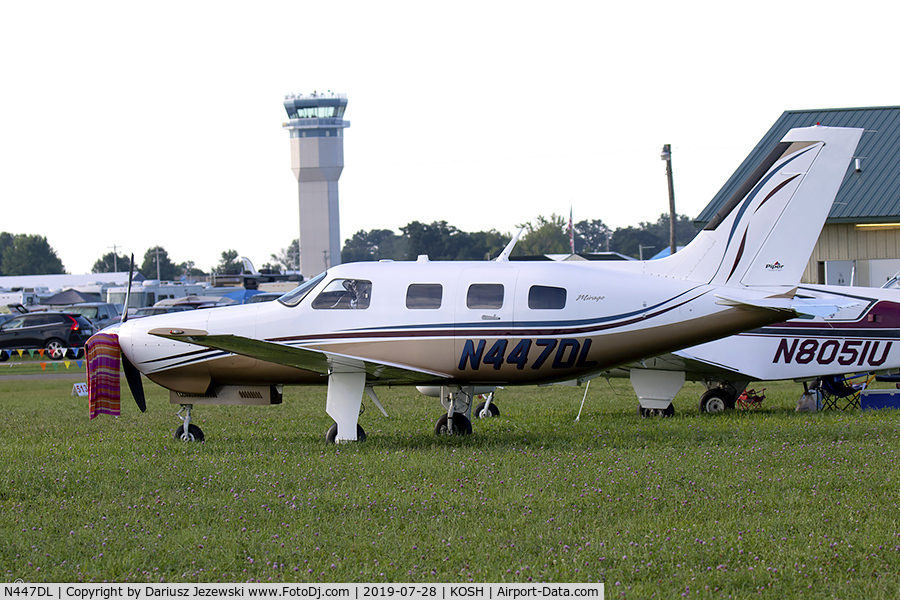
(141, 124)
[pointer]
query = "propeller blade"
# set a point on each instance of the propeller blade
(133, 376)
(128, 294)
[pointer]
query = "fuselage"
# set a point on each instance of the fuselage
(477, 323)
(862, 336)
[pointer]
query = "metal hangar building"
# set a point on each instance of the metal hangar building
(860, 242)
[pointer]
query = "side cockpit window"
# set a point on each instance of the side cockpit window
(296, 295)
(424, 296)
(348, 294)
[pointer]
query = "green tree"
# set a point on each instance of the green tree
(29, 255)
(6, 240)
(111, 262)
(376, 244)
(547, 236)
(287, 259)
(592, 236)
(629, 239)
(230, 262)
(435, 240)
(158, 265)
(188, 269)
(685, 230)
(481, 245)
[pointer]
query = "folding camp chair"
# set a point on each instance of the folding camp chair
(751, 399)
(843, 390)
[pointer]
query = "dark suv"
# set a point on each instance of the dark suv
(56, 332)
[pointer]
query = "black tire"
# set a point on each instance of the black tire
(331, 434)
(56, 348)
(492, 411)
(195, 432)
(461, 425)
(646, 413)
(4, 355)
(716, 400)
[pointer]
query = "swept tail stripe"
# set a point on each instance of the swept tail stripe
(758, 187)
(775, 191)
(749, 200)
(740, 253)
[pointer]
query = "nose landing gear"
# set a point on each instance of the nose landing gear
(187, 432)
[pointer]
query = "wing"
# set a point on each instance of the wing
(307, 359)
(695, 369)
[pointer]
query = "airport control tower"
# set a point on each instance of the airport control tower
(317, 158)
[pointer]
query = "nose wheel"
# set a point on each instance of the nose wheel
(187, 432)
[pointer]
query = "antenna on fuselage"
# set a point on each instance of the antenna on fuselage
(504, 256)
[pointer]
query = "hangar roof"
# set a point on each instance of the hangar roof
(869, 196)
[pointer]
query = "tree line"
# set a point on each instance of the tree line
(23, 254)
(545, 235)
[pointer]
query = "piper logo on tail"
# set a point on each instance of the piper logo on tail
(776, 266)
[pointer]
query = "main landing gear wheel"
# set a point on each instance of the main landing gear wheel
(195, 434)
(461, 425)
(645, 413)
(486, 411)
(716, 400)
(331, 434)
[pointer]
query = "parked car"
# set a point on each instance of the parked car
(101, 314)
(54, 331)
(157, 310)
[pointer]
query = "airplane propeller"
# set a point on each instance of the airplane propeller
(132, 375)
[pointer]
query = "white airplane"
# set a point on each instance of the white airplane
(462, 325)
(858, 338)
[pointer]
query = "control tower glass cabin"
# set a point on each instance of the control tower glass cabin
(317, 158)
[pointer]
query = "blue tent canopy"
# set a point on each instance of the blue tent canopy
(241, 296)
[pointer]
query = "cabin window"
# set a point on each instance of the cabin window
(544, 297)
(485, 296)
(344, 294)
(424, 295)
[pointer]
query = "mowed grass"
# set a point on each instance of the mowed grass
(768, 502)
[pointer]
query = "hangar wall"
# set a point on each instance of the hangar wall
(874, 252)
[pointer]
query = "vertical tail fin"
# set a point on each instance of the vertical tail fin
(766, 232)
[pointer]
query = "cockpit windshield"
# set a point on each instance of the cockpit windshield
(293, 297)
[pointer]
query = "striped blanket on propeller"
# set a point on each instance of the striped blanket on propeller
(103, 363)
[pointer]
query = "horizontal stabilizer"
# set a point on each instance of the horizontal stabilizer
(779, 304)
(794, 307)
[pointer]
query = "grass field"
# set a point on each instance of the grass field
(769, 502)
